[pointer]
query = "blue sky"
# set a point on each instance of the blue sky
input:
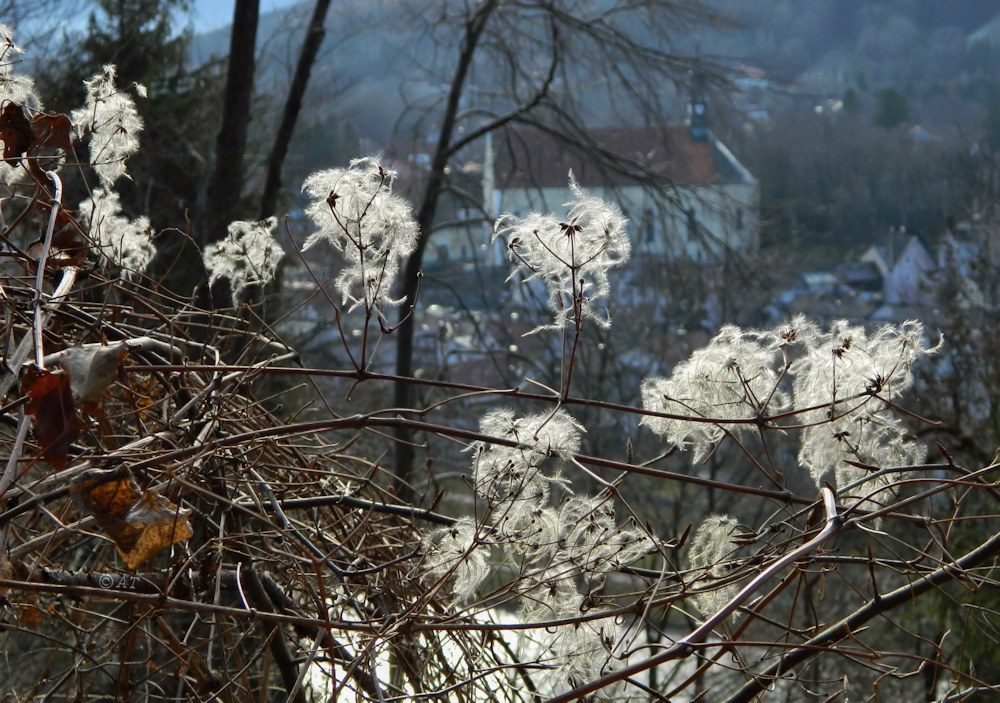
(212, 14)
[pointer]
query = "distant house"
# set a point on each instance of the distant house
(987, 35)
(683, 191)
(862, 277)
(463, 224)
(904, 265)
(752, 92)
(818, 282)
(968, 248)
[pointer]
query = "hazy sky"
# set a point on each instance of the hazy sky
(212, 14)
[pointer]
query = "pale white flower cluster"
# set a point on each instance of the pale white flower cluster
(848, 361)
(711, 552)
(355, 210)
(125, 243)
(844, 370)
(582, 652)
(564, 556)
(453, 553)
(114, 125)
(14, 88)
(512, 478)
(571, 256)
(843, 383)
(248, 256)
(735, 377)
(562, 552)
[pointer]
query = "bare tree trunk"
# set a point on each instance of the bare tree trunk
(425, 218)
(227, 182)
(293, 105)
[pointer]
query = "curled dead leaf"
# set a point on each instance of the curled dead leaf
(44, 136)
(15, 131)
(141, 523)
(28, 613)
(6, 572)
(92, 368)
(50, 404)
(51, 132)
(105, 493)
(68, 247)
(152, 525)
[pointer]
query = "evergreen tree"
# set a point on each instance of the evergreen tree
(139, 37)
(891, 108)
(146, 41)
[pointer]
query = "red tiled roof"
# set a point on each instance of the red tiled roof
(531, 158)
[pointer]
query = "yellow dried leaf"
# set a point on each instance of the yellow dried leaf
(154, 524)
(105, 493)
(30, 616)
(141, 523)
(6, 572)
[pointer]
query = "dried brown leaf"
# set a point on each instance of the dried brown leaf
(51, 132)
(105, 493)
(92, 368)
(28, 612)
(6, 572)
(141, 524)
(45, 135)
(68, 246)
(50, 404)
(15, 131)
(30, 615)
(154, 524)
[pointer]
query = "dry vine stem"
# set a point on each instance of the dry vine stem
(684, 647)
(186, 513)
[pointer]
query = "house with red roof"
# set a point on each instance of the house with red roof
(684, 192)
(686, 195)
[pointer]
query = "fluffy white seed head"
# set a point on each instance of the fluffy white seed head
(453, 553)
(512, 480)
(113, 123)
(848, 361)
(581, 653)
(572, 256)
(14, 88)
(840, 380)
(355, 210)
(845, 374)
(248, 256)
(591, 542)
(120, 241)
(735, 377)
(562, 553)
(711, 549)
(869, 435)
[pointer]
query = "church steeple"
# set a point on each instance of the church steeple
(698, 111)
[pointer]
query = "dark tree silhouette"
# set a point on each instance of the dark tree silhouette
(293, 105)
(227, 181)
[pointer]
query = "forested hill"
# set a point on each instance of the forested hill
(883, 37)
(375, 62)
